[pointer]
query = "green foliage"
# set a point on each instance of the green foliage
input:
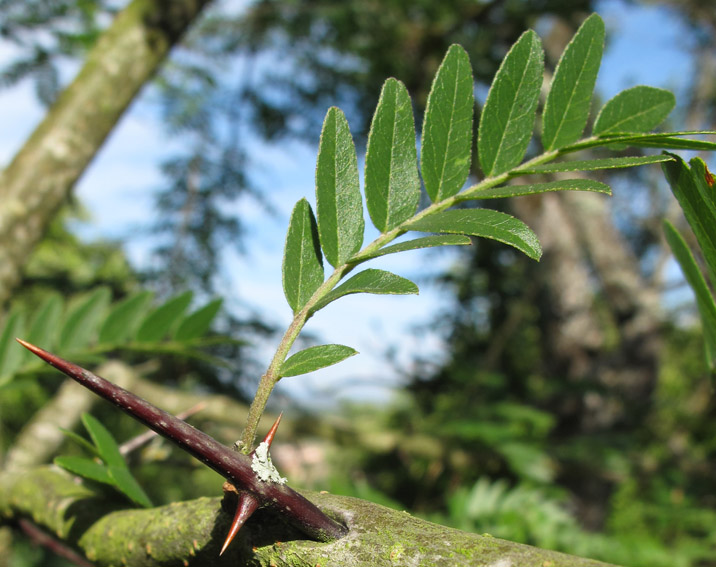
(314, 358)
(693, 188)
(445, 146)
(511, 106)
(338, 199)
(302, 260)
(109, 466)
(392, 185)
(566, 110)
(87, 327)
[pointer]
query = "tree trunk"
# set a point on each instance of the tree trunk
(43, 172)
(191, 533)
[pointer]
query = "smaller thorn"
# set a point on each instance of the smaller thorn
(272, 432)
(246, 506)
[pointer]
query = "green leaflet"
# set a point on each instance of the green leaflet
(392, 185)
(704, 299)
(302, 260)
(124, 318)
(315, 358)
(197, 323)
(338, 201)
(113, 469)
(11, 354)
(159, 322)
(86, 468)
(485, 223)
(694, 195)
(534, 188)
(124, 482)
(667, 140)
(106, 445)
(370, 281)
(567, 106)
(44, 324)
(422, 242)
(508, 116)
(82, 321)
(446, 142)
(594, 164)
(638, 109)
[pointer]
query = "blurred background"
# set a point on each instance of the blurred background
(565, 403)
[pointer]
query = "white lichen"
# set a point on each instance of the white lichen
(261, 464)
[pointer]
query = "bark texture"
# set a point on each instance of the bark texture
(191, 533)
(43, 172)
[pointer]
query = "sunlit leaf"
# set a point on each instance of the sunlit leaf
(392, 184)
(485, 223)
(315, 358)
(44, 327)
(446, 143)
(197, 324)
(567, 106)
(11, 354)
(127, 485)
(82, 321)
(86, 468)
(508, 117)
(698, 207)
(302, 260)
(370, 281)
(534, 188)
(106, 445)
(422, 242)
(124, 318)
(595, 164)
(693, 275)
(159, 322)
(638, 109)
(339, 207)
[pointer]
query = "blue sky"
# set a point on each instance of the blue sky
(646, 45)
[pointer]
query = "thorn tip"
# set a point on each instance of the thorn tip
(246, 506)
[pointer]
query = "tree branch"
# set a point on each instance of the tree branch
(191, 533)
(43, 172)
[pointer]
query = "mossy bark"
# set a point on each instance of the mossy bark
(42, 174)
(191, 533)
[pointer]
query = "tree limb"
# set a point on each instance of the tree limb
(43, 172)
(190, 533)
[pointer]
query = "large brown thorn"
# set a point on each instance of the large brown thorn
(232, 465)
